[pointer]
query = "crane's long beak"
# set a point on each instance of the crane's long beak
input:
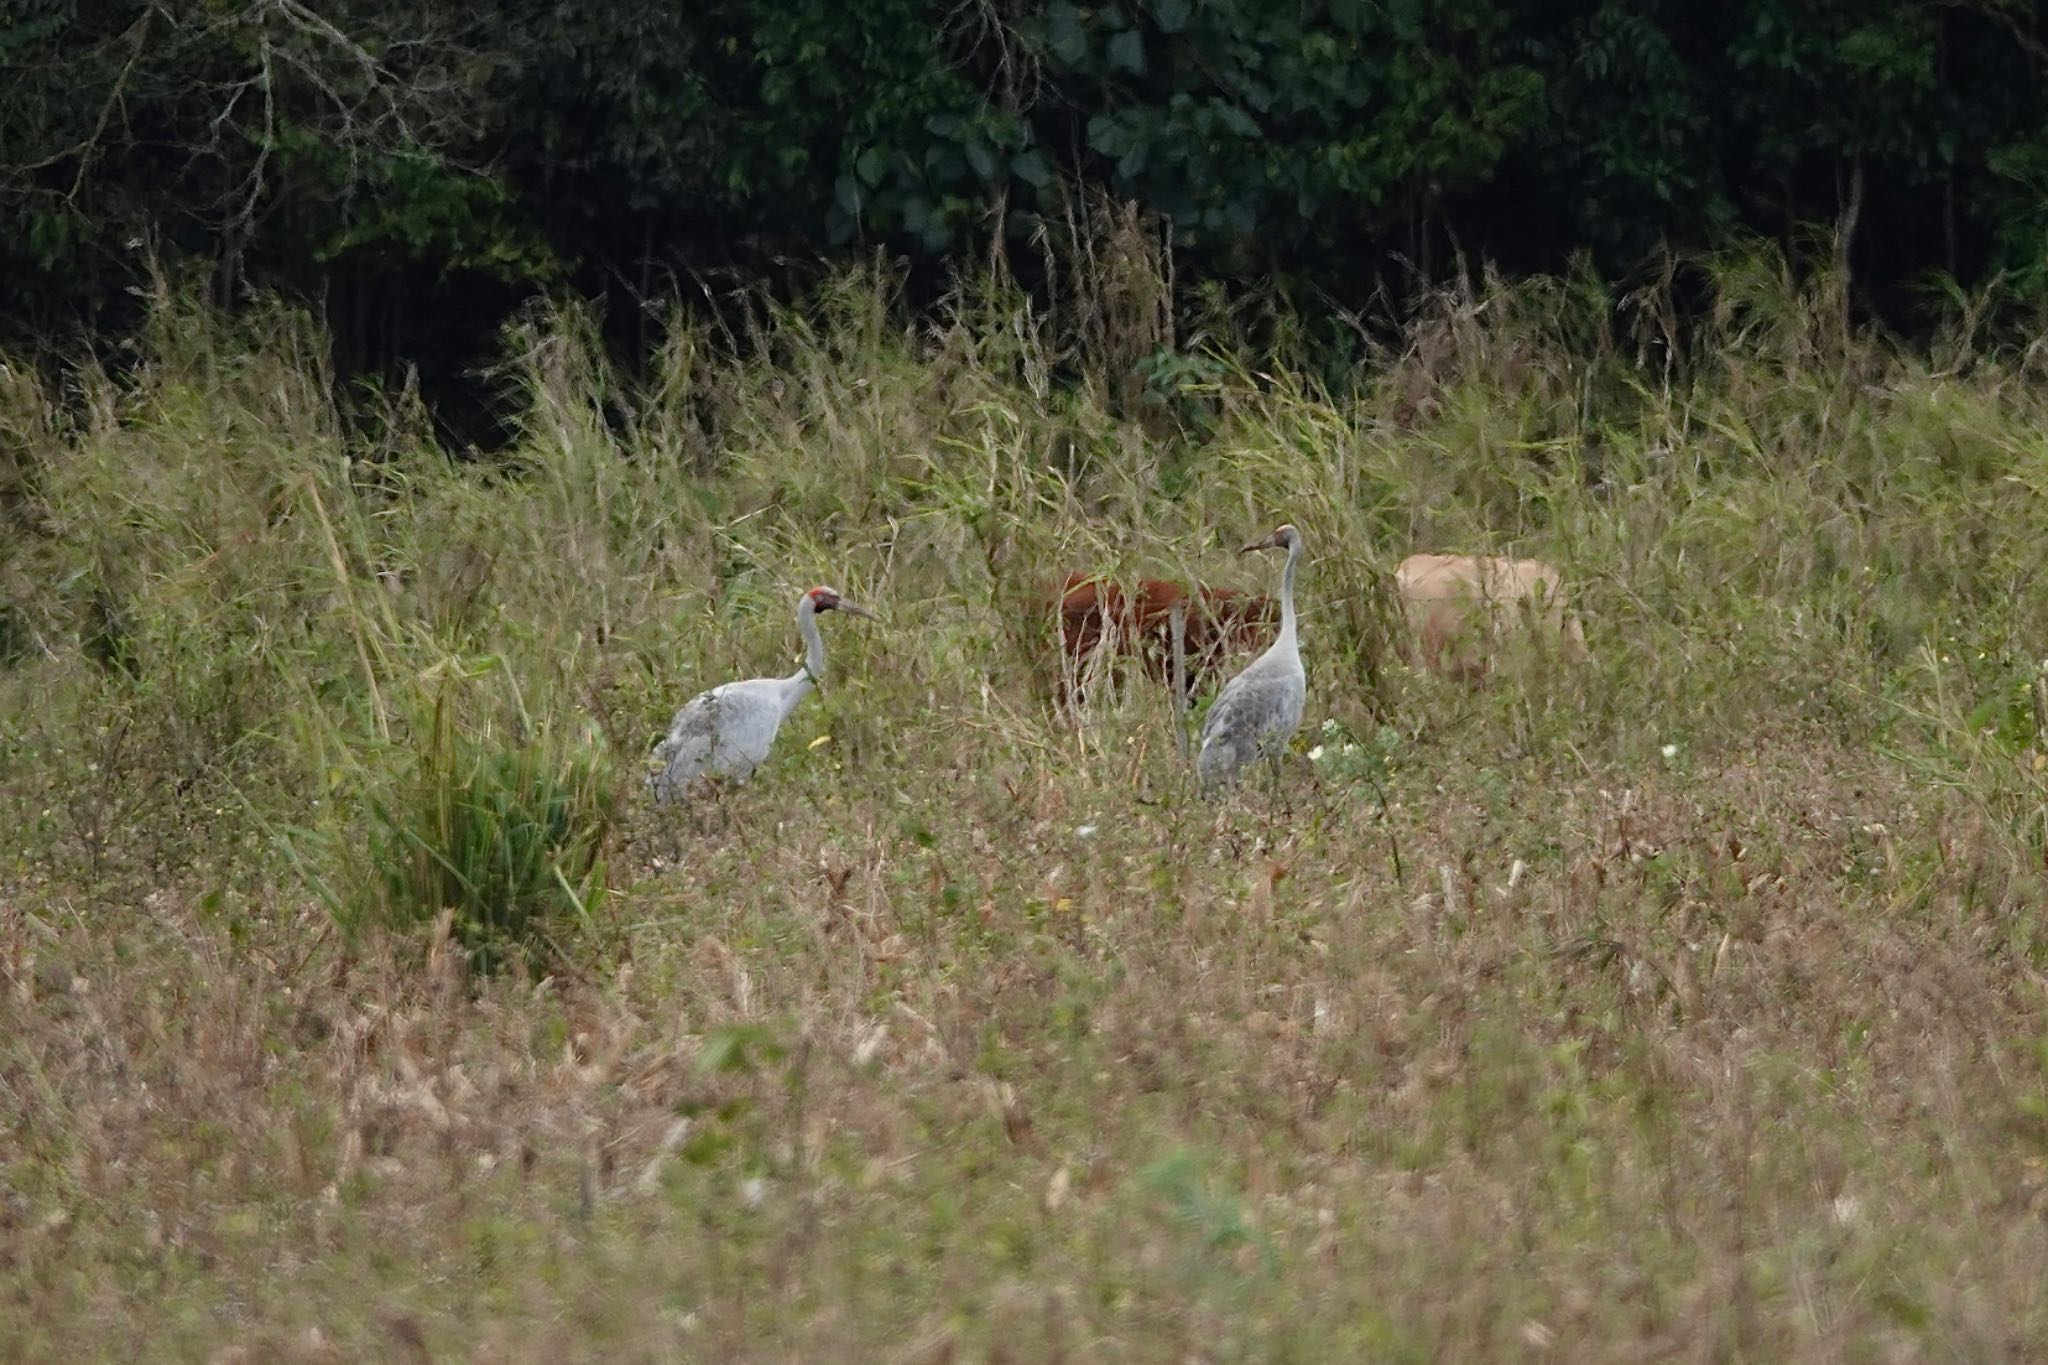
(856, 609)
(1265, 542)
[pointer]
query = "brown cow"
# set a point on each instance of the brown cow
(1217, 622)
(1460, 608)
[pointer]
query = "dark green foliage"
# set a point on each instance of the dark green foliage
(1319, 122)
(794, 122)
(385, 147)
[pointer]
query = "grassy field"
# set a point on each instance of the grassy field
(1688, 1006)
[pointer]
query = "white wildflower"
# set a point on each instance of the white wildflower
(1670, 751)
(1085, 831)
(1315, 755)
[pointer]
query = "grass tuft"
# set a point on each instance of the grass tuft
(504, 836)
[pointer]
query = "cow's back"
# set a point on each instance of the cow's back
(1458, 607)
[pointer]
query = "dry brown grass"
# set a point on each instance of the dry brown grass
(1689, 1009)
(1739, 1065)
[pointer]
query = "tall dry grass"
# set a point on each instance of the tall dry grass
(1687, 1006)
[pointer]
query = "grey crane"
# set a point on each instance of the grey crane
(727, 731)
(1259, 709)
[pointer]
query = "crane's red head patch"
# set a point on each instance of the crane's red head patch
(1284, 537)
(828, 599)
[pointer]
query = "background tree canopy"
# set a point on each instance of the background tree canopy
(421, 167)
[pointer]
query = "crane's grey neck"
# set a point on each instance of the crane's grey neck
(814, 643)
(1287, 592)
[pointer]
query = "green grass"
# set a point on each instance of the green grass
(1685, 1006)
(499, 836)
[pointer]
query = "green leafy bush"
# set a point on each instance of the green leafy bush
(505, 836)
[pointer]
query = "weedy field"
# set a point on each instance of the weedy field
(356, 1004)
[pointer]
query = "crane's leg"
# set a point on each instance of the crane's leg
(705, 796)
(1177, 621)
(1321, 789)
(674, 829)
(695, 806)
(1272, 767)
(679, 809)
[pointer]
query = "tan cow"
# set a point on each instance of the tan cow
(1460, 608)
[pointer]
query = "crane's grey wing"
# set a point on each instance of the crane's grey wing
(721, 733)
(685, 753)
(1246, 703)
(1226, 740)
(1258, 710)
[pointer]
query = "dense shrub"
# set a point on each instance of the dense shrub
(379, 156)
(502, 836)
